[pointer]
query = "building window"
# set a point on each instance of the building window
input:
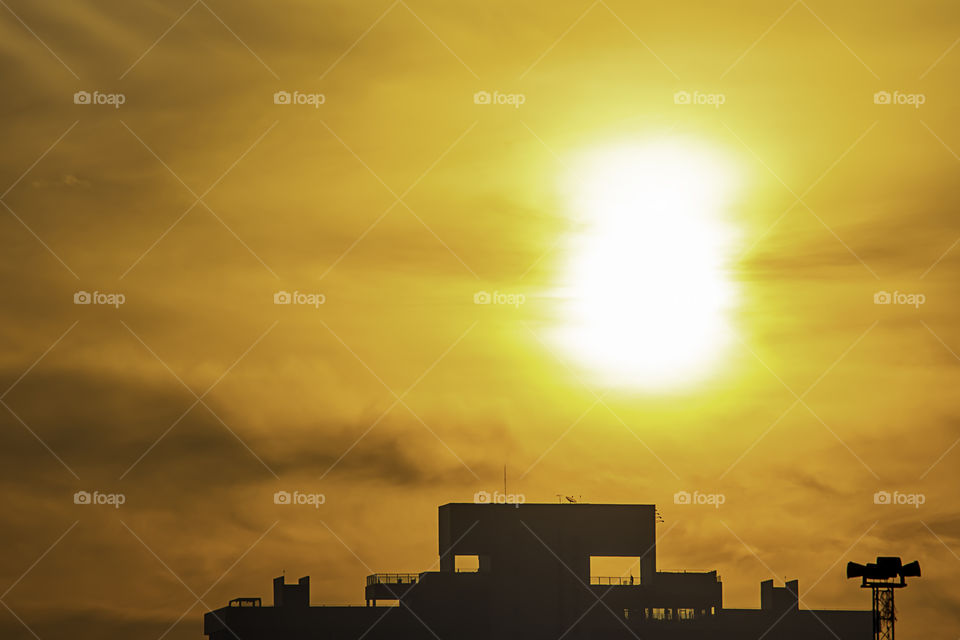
(466, 564)
(615, 570)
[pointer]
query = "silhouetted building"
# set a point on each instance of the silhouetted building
(531, 579)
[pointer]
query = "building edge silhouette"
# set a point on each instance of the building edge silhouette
(532, 580)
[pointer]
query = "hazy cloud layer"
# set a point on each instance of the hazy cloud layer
(398, 199)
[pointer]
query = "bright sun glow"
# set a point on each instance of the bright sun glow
(647, 291)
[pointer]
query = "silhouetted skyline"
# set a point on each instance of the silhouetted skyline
(534, 574)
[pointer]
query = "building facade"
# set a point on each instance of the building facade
(529, 578)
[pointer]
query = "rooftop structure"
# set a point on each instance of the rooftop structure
(531, 571)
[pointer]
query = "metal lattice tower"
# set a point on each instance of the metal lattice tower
(884, 614)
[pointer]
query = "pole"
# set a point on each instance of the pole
(884, 614)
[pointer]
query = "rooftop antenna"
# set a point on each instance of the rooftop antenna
(571, 499)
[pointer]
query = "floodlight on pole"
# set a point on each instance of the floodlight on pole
(882, 577)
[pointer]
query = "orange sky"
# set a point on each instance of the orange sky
(398, 199)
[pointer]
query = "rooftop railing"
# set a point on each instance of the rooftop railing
(628, 581)
(392, 578)
(245, 602)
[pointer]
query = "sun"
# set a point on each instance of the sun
(647, 295)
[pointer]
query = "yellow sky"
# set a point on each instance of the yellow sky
(398, 199)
